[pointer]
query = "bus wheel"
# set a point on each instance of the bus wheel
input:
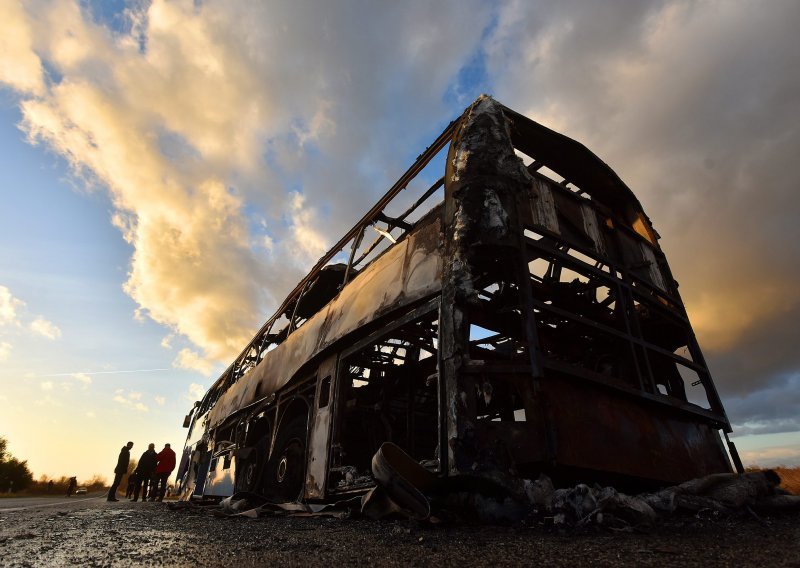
(287, 466)
(248, 472)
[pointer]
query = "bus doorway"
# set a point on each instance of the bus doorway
(388, 391)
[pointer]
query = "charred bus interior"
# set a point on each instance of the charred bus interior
(525, 323)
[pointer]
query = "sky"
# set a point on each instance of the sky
(169, 171)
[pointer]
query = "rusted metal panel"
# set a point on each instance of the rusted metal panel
(599, 430)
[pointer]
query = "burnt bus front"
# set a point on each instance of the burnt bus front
(529, 323)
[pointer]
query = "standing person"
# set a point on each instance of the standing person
(166, 463)
(122, 468)
(73, 483)
(145, 469)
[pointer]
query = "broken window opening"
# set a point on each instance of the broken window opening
(389, 393)
(696, 392)
(497, 399)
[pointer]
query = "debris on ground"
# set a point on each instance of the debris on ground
(405, 489)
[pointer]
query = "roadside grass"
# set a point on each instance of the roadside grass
(790, 478)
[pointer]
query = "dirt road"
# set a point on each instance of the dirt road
(93, 532)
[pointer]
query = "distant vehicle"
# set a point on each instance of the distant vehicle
(81, 491)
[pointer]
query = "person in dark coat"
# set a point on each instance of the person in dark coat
(145, 469)
(166, 463)
(122, 468)
(73, 483)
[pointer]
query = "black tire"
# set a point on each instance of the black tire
(286, 470)
(252, 468)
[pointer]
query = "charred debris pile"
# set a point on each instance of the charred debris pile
(406, 490)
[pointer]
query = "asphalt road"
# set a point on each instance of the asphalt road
(93, 532)
(21, 503)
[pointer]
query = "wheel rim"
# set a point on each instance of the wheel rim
(288, 472)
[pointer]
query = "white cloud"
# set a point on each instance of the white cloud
(19, 66)
(84, 379)
(166, 342)
(160, 400)
(307, 242)
(9, 305)
(132, 400)
(45, 328)
(196, 392)
(47, 385)
(48, 400)
(193, 361)
(772, 456)
(91, 414)
(197, 120)
(11, 314)
(5, 350)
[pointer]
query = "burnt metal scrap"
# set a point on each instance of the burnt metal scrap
(526, 324)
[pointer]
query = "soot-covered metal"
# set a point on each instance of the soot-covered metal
(527, 324)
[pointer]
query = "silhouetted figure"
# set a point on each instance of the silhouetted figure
(166, 463)
(132, 479)
(73, 483)
(145, 469)
(50, 486)
(122, 468)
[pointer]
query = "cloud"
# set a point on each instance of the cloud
(45, 328)
(19, 65)
(12, 315)
(193, 361)
(772, 456)
(195, 120)
(195, 392)
(9, 305)
(46, 385)
(91, 415)
(160, 400)
(131, 400)
(5, 350)
(84, 379)
(48, 400)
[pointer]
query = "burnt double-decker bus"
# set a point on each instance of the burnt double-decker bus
(518, 318)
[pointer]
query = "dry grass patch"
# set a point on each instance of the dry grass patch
(790, 478)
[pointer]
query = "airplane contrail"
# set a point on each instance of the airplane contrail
(103, 372)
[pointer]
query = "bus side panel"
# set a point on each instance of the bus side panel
(319, 438)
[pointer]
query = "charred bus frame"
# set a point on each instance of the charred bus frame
(528, 323)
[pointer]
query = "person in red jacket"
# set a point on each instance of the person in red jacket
(166, 463)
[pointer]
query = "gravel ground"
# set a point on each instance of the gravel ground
(97, 533)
